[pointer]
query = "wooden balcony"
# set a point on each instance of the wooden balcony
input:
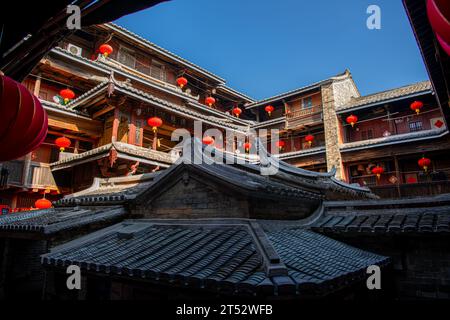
(39, 175)
(304, 117)
(396, 184)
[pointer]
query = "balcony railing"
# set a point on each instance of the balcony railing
(304, 117)
(39, 175)
(407, 183)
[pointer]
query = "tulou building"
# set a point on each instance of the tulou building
(112, 96)
(361, 182)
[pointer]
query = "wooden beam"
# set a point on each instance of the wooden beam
(56, 133)
(102, 112)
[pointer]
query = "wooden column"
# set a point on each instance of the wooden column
(397, 173)
(116, 123)
(37, 85)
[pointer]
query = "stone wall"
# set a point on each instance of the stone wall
(337, 92)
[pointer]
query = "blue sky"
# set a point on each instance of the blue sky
(264, 47)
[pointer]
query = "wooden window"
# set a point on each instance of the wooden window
(126, 57)
(415, 126)
(157, 71)
(307, 103)
(143, 64)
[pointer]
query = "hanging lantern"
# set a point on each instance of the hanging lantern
(237, 111)
(247, 146)
(378, 171)
(208, 140)
(280, 144)
(182, 81)
(67, 95)
(155, 123)
(62, 143)
(43, 204)
(416, 106)
(210, 101)
(309, 138)
(105, 50)
(269, 110)
(24, 120)
(352, 119)
(424, 163)
(438, 12)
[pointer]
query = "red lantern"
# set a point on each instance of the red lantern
(43, 204)
(378, 171)
(155, 123)
(208, 140)
(424, 163)
(210, 101)
(24, 120)
(352, 119)
(416, 106)
(439, 16)
(62, 143)
(237, 111)
(281, 144)
(182, 81)
(269, 110)
(309, 138)
(67, 95)
(247, 146)
(105, 50)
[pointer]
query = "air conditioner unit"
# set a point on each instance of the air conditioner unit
(75, 50)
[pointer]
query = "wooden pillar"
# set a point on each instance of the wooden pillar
(132, 129)
(76, 146)
(37, 85)
(116, 123)
(399, 178)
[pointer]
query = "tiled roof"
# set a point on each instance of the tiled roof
(117, 190)
(179, 108)
(232, 257)
(108, 67)
(166, 52)
(395, 139)
(380, 97)
(124, 148)
(403, 216)
(58, 219)
(300, 153)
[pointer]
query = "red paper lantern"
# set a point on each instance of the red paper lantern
(182, 81)
(352, 119)
(105, 50)
(62, 143)
(378, 171)
(438, 12)
(67, 95)
(309, 138)
(43, 204)
(155, 123)
(269, 110)
(247, 146)
(280, 144)
(24, 120)
(424, 163)
(416, 106)
(210, 101)
(208, 140)
(237, 111)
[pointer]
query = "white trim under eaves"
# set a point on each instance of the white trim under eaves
(388, 143)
